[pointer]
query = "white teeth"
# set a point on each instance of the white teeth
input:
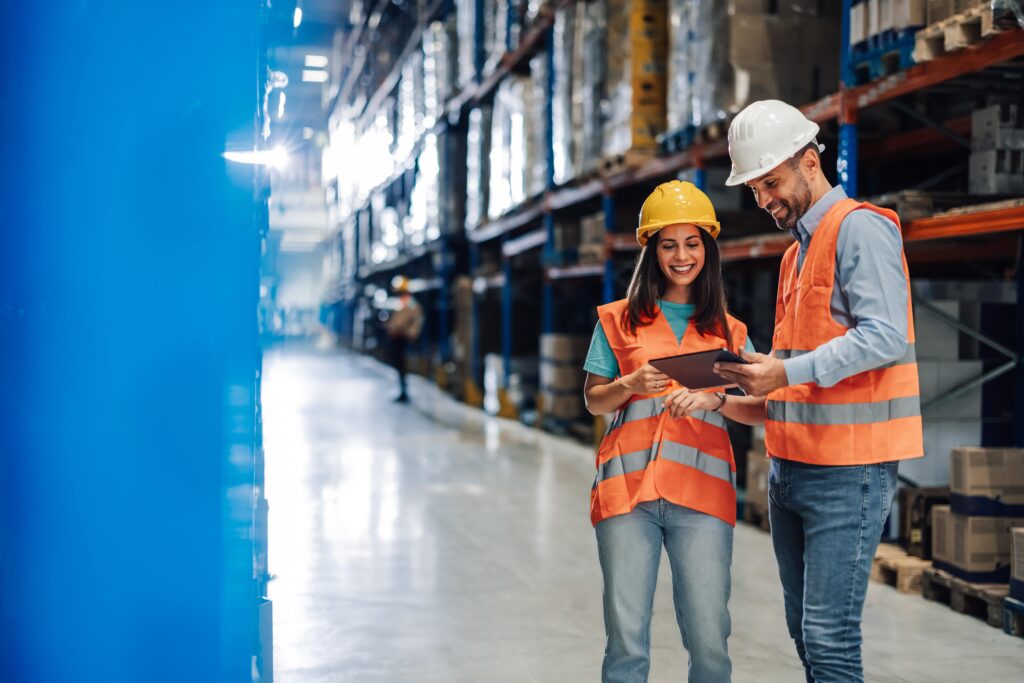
(682, 269)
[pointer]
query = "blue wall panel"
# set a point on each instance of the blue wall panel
(129, 257)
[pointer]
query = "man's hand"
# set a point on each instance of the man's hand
(763, 375)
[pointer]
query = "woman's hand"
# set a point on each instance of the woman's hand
(684, 402)
(647, 380)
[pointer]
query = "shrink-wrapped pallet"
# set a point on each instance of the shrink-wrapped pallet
(465, 13)
(478, 165)
(535, 101)
(563, 34)
(440, 67)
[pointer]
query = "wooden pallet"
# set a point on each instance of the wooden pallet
(893, 566)
(955, 33)
(756, 516)
(1013, 617)
(982, 600)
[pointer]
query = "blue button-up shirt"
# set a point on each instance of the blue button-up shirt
(869, 296)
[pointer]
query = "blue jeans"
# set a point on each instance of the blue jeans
(826, 525)
(699, 550)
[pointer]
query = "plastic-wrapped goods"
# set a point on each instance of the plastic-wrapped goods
(739, 55)
(588, 85)
(465, 12)
(478, 166)
(535, 100)
(636, 75)
(439, 68)
(423, 222)
(451, 199)
(410, 106)
(680, 44)
(508, 147)
(562, 130)
(496, 32)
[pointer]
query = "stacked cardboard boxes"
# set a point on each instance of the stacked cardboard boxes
(972, 539)
(636, 76)
(724, 55)
(592, 246)
(561, 375)
(997, 150)
(579, 72)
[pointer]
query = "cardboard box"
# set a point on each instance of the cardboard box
(758, 465)
(858, 23)
(915, 510)
(987, 481)
(900, 14)
(1017, 563)
(564, 348)
(874, 17)
(560, 376)
(980, 547)
(939, 10)
(563, 406)
(941, 545)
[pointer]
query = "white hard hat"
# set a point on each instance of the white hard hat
(764, 135)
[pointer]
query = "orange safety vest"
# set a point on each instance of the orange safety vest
(646, 454)
(871, 417)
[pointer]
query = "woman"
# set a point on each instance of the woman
(666, 474)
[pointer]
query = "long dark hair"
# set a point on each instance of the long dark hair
(707, 293)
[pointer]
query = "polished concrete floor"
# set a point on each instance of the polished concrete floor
(427, 543)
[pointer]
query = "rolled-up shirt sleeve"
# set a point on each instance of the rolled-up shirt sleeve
(872, 283)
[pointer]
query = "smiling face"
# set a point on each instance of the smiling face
(785, 191)
(681, 259)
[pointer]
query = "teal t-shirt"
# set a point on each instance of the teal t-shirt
(601, 359)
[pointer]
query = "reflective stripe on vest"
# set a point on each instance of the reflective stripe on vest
(646, 454)
(873, 416)
(646, 408)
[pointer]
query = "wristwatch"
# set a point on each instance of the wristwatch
(721, 401)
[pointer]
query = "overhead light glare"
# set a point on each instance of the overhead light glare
(316, 61)
(307, 133)
(276, 157)
(297, 17)
(280, 106)
(314, 76)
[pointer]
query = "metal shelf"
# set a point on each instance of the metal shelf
(519, 218)
(524, 243)
(580, 270)
(1000, 48)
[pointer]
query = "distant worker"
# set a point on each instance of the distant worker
(403, 326)
(666, 476)
(840, 387)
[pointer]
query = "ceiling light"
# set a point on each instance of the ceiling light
(280, 106)
(314, 76)
(316, 61)
(307, 133)
(276, 157)
(297, 18)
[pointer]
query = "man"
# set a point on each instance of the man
(841, 387)
(403, 326)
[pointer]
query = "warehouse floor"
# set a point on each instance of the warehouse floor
(428, 543)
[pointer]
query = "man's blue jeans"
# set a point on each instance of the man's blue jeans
(699, 550)
(826, 525)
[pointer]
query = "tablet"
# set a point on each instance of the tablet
(694, 370)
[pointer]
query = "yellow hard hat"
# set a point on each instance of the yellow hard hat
(674, 202)
(400, 283)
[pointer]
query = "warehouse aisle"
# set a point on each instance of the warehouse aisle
(426, 543)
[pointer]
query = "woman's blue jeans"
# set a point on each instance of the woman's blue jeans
(699, 549)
